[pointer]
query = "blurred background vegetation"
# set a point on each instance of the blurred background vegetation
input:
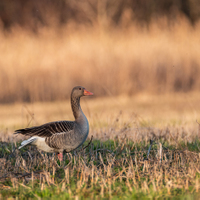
(34, 14)
(111, 47)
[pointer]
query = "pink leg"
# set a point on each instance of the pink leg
(60, 157)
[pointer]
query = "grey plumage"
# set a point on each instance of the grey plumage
(48, 129)
(61, 135)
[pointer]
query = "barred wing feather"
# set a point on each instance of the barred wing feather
(49, 129)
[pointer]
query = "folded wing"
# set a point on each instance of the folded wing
(48, 130)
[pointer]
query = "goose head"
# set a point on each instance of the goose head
(80, 91)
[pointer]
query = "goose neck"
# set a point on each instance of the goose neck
(76, 108)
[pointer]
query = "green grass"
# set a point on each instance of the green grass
(104, 170)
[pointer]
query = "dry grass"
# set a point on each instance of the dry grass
(115, 164)
(112, 116)
(109, 61)
(114, 168)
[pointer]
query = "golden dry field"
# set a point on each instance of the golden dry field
(140, 111)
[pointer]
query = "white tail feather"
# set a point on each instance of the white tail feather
(39, 142)
(26, 142)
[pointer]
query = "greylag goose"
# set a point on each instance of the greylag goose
(61, 135)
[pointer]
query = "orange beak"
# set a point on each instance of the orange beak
(87, 93)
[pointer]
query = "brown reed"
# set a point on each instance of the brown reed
(109, 61)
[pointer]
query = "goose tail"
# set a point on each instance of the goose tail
(27, 142)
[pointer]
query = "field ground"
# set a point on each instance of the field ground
(116, 164)
(141, 110)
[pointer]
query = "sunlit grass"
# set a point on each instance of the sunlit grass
(142, 110)
(110, 169)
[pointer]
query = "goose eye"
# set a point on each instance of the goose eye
(79, 88)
